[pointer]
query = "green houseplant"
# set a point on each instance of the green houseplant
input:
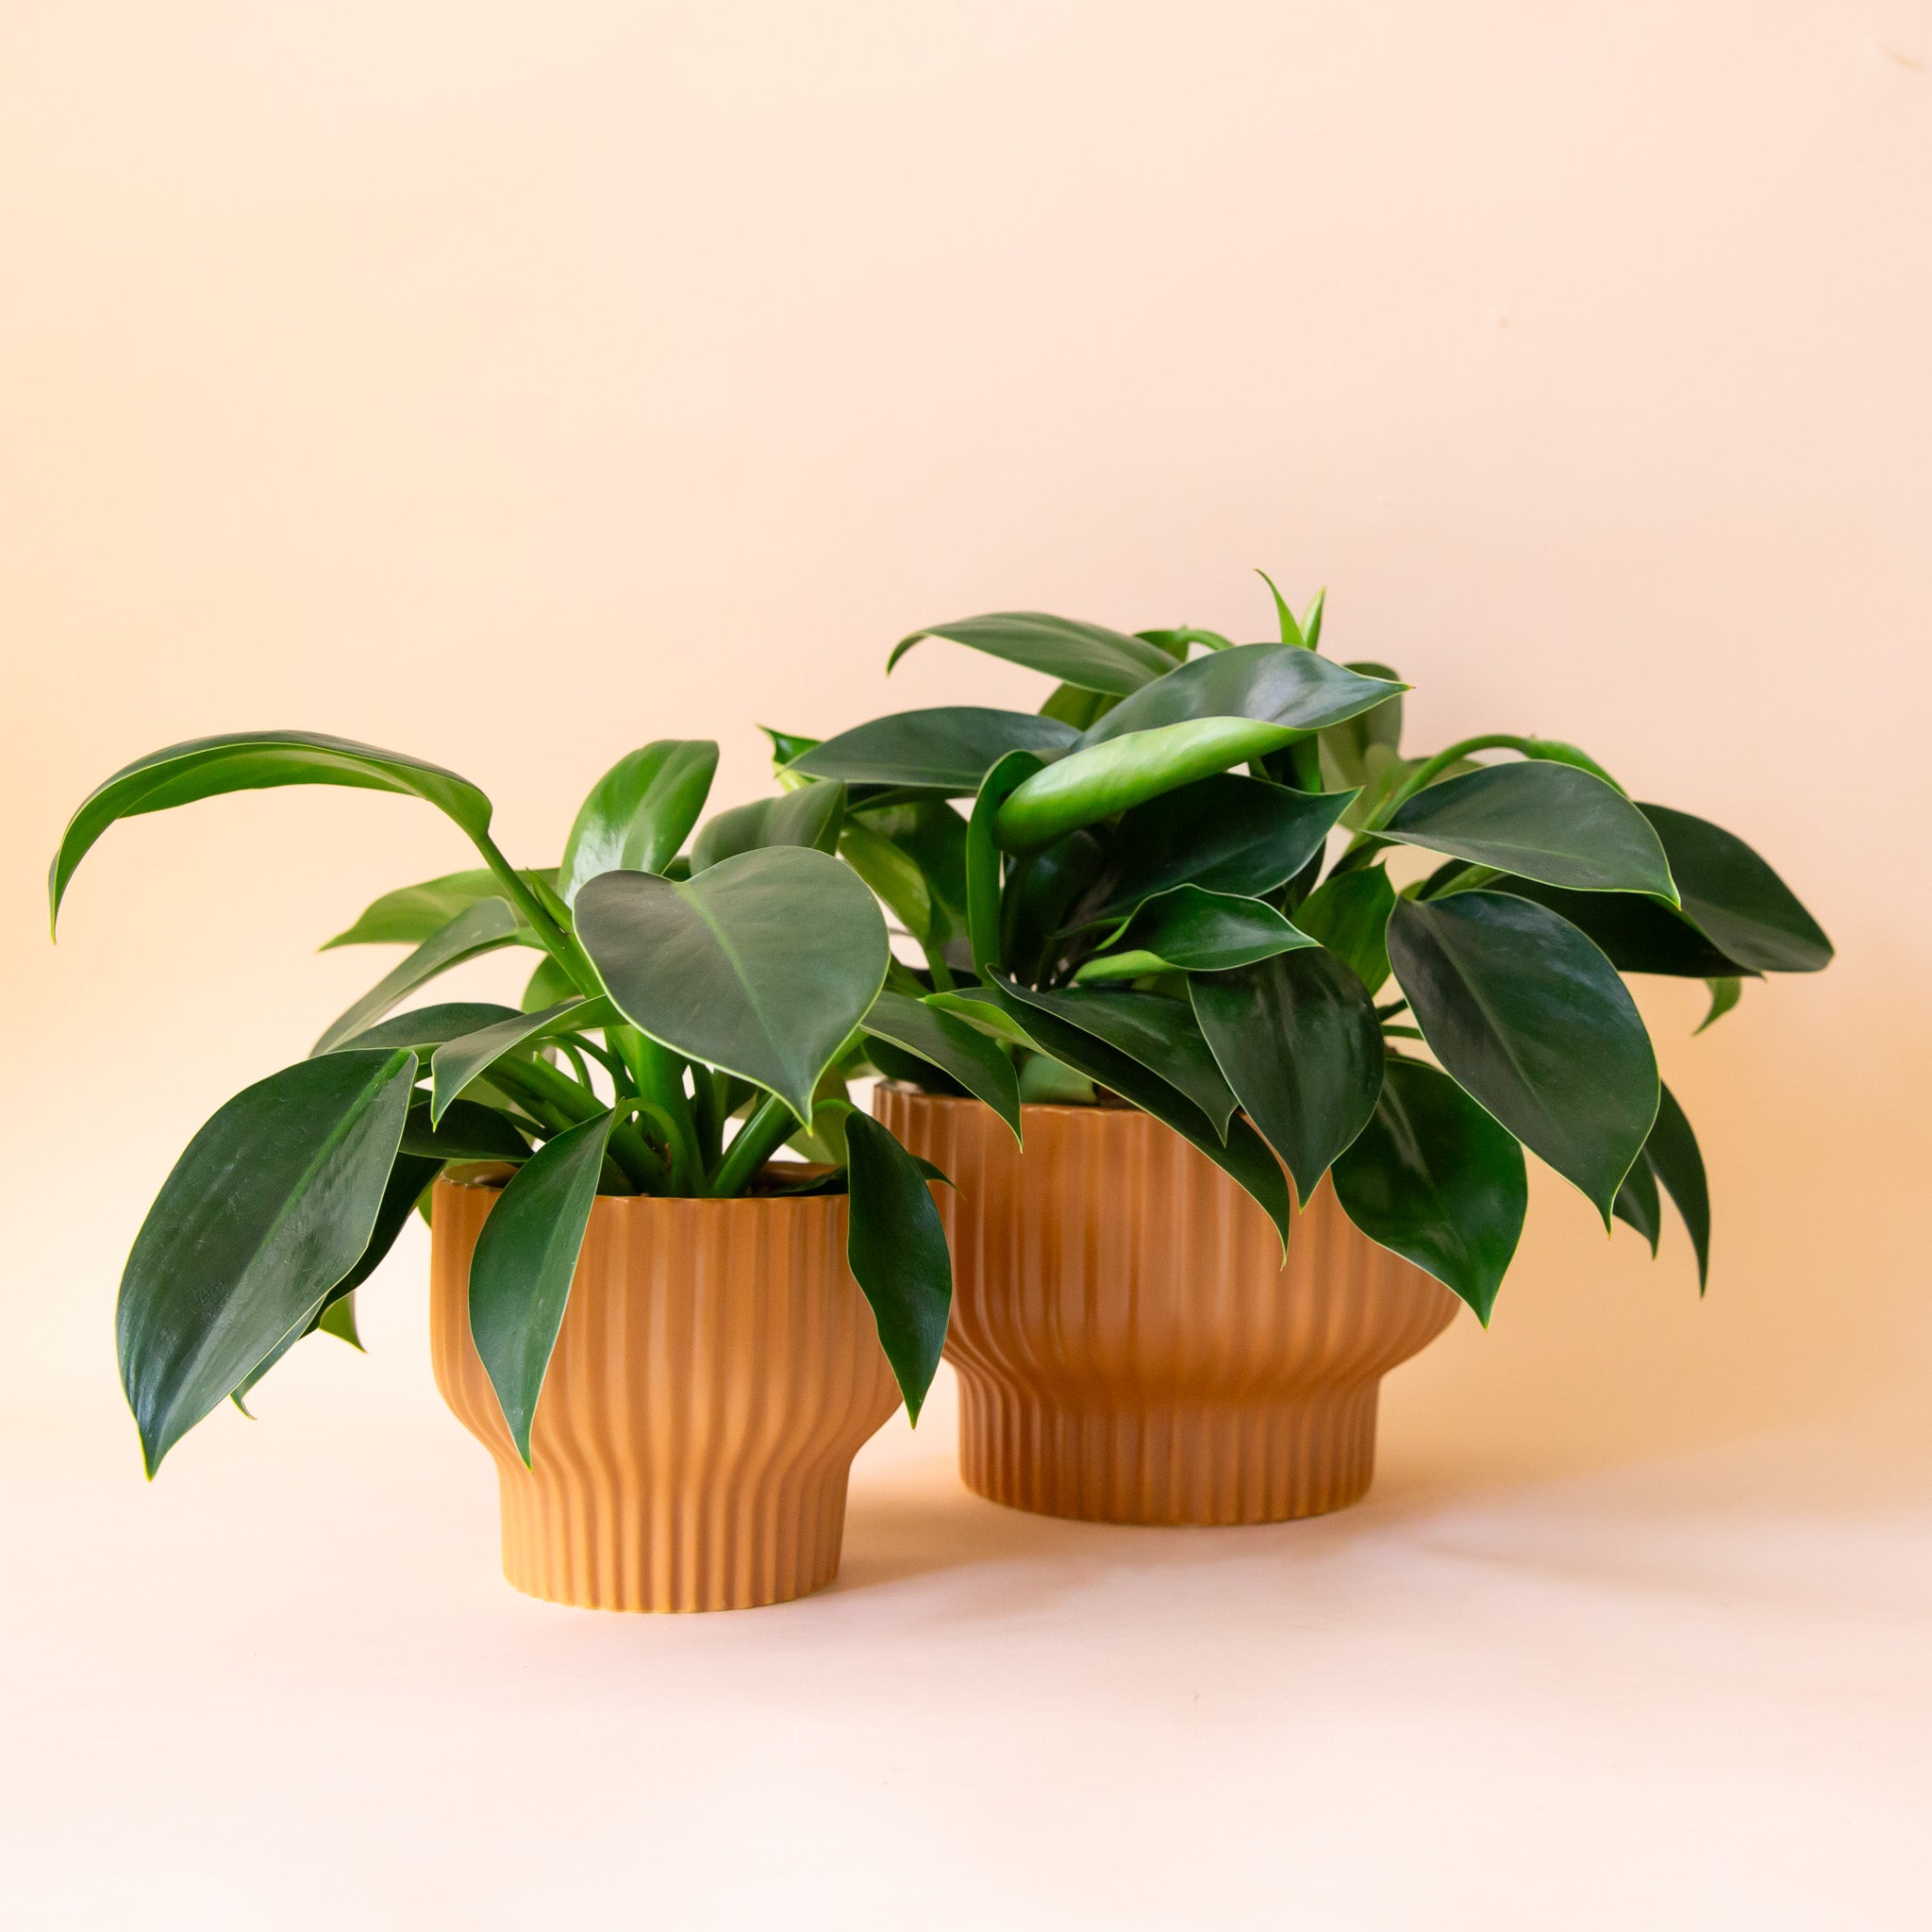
(673, 993)
(1172, 891)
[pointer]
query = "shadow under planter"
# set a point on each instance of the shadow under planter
(1130, 1346)
(716, 1372)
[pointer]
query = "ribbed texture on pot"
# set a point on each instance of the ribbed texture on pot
(1130, 1348)
(716, 1372)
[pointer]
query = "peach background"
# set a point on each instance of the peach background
(511, 385)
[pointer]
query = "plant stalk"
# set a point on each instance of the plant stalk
(771, 1126)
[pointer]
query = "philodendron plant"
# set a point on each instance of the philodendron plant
(1174, 890)
(676, 994)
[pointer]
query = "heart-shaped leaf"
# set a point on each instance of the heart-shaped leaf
(1193, 930)
(527, 1256)
(1731, 895)
(273, 1203)
(809, 818)
(1268, 684)
(1546, 821)
(1527, 1015)
(761, 965)
(896, 1245)
(490, 923)
(950, 748)
(1348, 912)
(640, 812)
(1298, 1040)
(1088, 655)
(252, 761)
(1435, 1179)
(956, 1048)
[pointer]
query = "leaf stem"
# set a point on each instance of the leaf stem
(771, 1126)
(1431, 769)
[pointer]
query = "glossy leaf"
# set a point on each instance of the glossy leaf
(981, 1007)
(430, 1026)
(896, 1245)
(1298, 1040)
(1268, 684)
(1108, 778)
(761, 965)
(950, 748)
(640, 812)
(338, 1317)
(253, 762)
(525, 1256)
(932, 835)
(1544, 820)
(486, 927)
(270, 1206)
(464, 1131)
(955, 1047)
(1243, 1153)
(1226, 834)
(1161, 1034)
(409, 915)
(1673, 1156)
(460, 1061)
(1527, 1015)
(1434, 1179)
(410, 1178)
(1345, 747)
(1036, 902)
(893, 876)
(1349, 914)
(809, 818)
(1724, 994)
(1736, 899)
(984, 862)
(1192, 930)
(1637, 1204)
(1086, 655)
(1637, 934)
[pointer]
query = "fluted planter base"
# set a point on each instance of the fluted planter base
(1129, 1346)
(716, 1372)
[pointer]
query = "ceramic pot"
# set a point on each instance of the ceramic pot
(1130, 1346)
(716, 1372)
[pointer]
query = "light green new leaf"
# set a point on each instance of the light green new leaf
(1193, 930)
(980, 1007)
(525, 1258)
(1291, 632)
(272, 1204)
(1546, 821)
(896, 1245)
(409, 915)
(1725, 991)
(949, 748)
(640, 812)
(809, 817)
(761, 965)
(1088, 655)
(460, 1061)
(253, 762)
(952, 1045)
(490, 923)
(1527, 1015)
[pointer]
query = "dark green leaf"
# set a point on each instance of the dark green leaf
(1724, 994)
(457, 1061)
(896, 1247)
(1072, 706)
(1546, 821)
(1736, 899)
(950, 748)
(1159, 1033)
(1243, 1153)
(963, 1052)
(548, 986)
(270, 1206)
(1086, 655)
(933, 836)
(408, 916)
(1435, 1179)
(893, 876)
(761, 965)
(1528, 1016)
(463, 1131)
(1268, 684)
(430, 1026)
(338, 1317)
(1040, 890)
(1349, 914)
(252, 761)
(1637, 934)
(1672, 1155)
(1190, 929)
(1299, 1042)
(486, 927)
(984, 863)
(809, 818)
(1636, 1205)
(640, 812)
(520, 1275)
(1345, 747)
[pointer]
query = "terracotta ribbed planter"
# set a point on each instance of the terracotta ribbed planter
(1129, 1347)
(716, 1373)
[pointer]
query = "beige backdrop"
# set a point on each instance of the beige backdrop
(512, 385)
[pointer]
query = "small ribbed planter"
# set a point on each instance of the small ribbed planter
(716, 1373)
(1129, 1347)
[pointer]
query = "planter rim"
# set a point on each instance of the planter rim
(1083, 1109)
(483, 1179)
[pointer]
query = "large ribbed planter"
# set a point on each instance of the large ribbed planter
(1129, 1347)
(716, 1373)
